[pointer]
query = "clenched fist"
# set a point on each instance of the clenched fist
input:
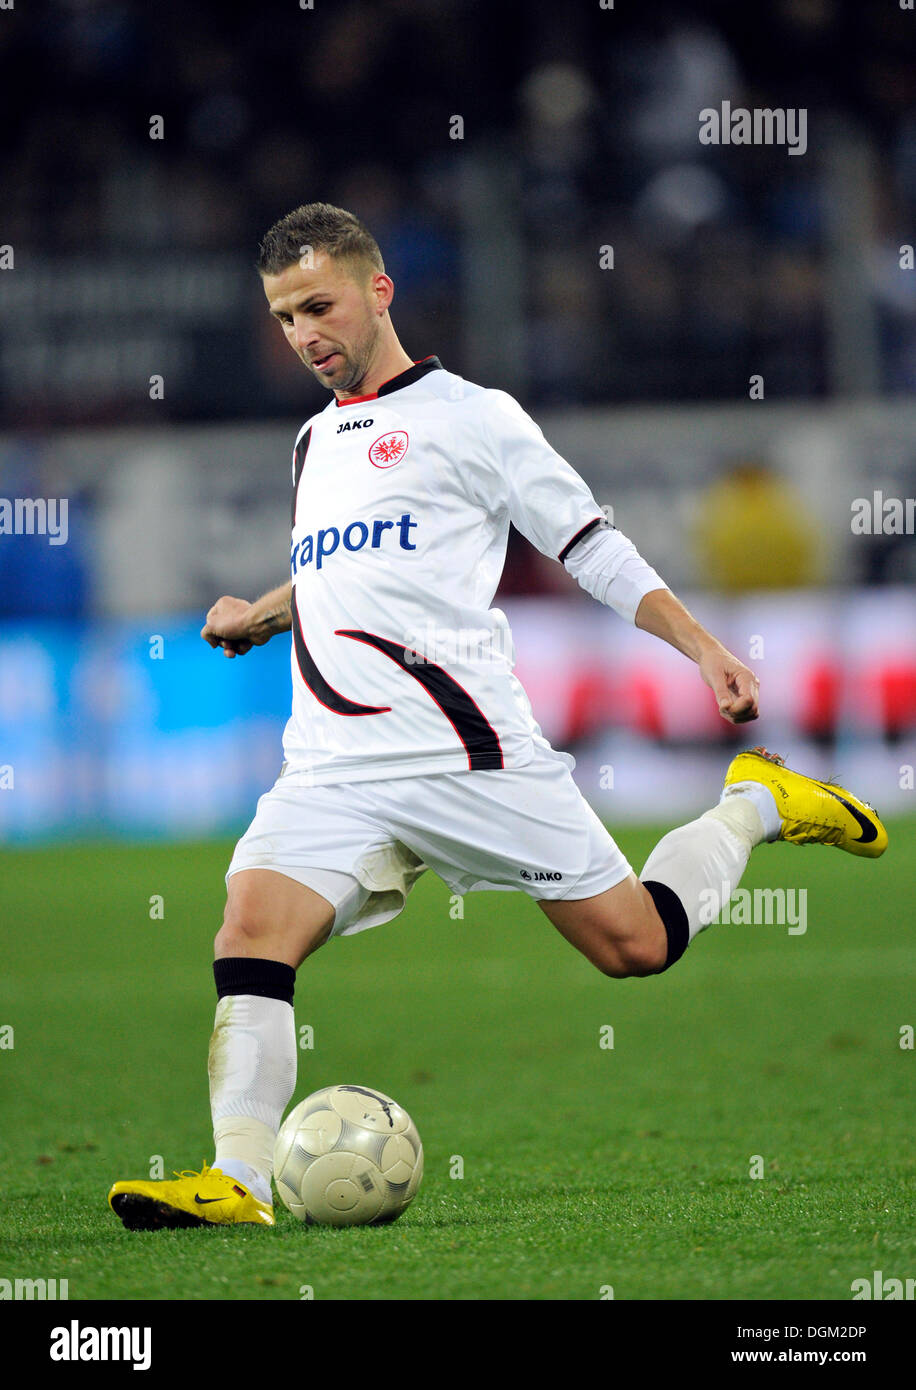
(734, 685)
(229, 626)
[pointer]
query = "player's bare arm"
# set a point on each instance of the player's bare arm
(734, 685)
(237, 625)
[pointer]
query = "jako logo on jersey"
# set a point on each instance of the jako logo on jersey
(388, 449)
(354, 425)
(540, 876)
(353, 537)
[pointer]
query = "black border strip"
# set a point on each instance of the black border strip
(579, 536)
(480, 739)
(325, 694)
(299, 454)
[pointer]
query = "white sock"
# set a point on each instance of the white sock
(252, 1065)
(257, 1185)
(764, 801)
(702, 862)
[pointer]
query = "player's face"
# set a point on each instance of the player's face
(332, 320)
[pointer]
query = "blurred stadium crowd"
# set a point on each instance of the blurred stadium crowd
(498, 153)
(133, 255)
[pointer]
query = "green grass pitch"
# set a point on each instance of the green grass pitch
(584, 1167)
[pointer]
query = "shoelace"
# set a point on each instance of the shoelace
(770, 757)
(193, 1173)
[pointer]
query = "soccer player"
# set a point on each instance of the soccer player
(411, 743)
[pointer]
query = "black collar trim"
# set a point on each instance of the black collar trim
(397, 383)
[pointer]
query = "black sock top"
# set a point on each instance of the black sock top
(272, 979)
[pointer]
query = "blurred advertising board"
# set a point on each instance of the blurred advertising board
(136, 728)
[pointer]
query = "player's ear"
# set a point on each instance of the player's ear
(382, 290)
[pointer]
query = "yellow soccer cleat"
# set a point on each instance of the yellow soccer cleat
(812, 812)
(207, 1198)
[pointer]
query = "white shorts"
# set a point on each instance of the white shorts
(363, 845)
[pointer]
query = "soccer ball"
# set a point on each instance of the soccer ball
(348, 1156)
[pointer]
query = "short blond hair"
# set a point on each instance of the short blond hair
(320, 227)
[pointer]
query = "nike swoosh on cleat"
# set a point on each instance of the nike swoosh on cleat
(869, 831)
(204, 1201)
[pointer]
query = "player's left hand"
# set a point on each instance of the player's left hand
(734, 685)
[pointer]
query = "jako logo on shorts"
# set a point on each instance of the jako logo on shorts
(356, 536)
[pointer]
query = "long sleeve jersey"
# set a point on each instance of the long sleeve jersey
(401, 508)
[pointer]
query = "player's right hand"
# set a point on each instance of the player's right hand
(228, 626)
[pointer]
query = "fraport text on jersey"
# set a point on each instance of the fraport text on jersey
(355, 536)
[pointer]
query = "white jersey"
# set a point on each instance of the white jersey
(401, 509)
